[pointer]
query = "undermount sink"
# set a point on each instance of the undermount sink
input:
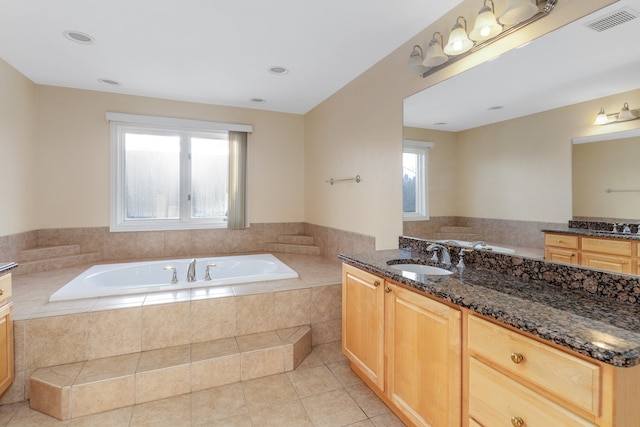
(411, 271)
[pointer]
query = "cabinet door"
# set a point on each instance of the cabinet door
(617, 264)
(423, 355)
(561, 255)
(363, 322)
(6, 348)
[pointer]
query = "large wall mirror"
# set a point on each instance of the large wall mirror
(501, 164)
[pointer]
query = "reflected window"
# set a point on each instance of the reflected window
(415, 163)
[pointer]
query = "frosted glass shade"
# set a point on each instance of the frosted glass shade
(518, 11)
(459, 42)
(434, 56)
(486, 25)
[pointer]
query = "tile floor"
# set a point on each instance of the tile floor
(322, 391)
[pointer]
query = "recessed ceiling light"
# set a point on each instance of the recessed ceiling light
(78, 37)
(278, 70)
(109, 82)
(440, 124)
(258, 100)
(496, 107)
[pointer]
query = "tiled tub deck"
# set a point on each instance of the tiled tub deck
(249, 317)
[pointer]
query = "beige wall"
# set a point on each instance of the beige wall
(17, 151)
(72, 162)
(359, 131)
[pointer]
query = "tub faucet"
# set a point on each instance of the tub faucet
(446, 257)
(480, 243)
(191, 271)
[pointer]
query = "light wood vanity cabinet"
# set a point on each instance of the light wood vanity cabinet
(616, 255)
(409, 348)
(6, 334)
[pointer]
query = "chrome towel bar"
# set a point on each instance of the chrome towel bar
(357, 179)
(609, 190)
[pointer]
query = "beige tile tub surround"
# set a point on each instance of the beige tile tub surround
(49, 334)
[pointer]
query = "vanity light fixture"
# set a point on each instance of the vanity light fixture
(459, 42)
(624, 115)
(415, 61)
(435, 55)
(518, 14)
(518, 11)
(486, 25)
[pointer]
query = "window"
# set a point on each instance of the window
(171, 174)
(415, 197)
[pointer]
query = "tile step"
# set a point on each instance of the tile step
(296, 239)
(292, 248)
(70, 391)
(46, 252)
(57, 263)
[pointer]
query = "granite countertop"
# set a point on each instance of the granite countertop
(6, 266)
(594, 233)
(597, 327)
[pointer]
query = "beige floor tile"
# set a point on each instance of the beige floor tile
(268, 391)
(8, 411)
(215, 348)
(290, 414)
(333, 408)
(312, 381)
(329, 352)
(171, 412)
(26, 417)
(387, 420)
(365, 423)
(367, 400)
(242, 420)
(216, 403)
(311, 361)
(343, 373)
(107, 368)
(164, 358)
(116, 418)
(258, 341)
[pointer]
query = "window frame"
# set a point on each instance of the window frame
(119, 124)
(420, 148)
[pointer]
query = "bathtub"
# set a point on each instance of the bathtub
(153, 276)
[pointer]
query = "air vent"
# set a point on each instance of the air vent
(613, 19)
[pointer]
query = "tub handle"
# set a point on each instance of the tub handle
(206, 272)
(174, 277)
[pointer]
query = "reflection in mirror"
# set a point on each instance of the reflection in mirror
(500, 169)
(606, 180)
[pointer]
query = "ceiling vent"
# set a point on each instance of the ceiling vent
(613, 19)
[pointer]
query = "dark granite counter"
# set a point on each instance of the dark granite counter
(594, 233)
(602, 328)
(6, 266)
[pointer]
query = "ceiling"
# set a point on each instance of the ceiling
(570, 65)
(210, 51)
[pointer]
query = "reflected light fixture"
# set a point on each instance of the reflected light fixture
(435, 56)
(486, 25)
(518, 11)
(458, 42)
(415, 61)
(624, 115)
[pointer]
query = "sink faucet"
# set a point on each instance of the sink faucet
(480, 243)
(446, 257)
(191, 271)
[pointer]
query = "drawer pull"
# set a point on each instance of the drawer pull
(387, 289)
(376, 283)
(516, 358)
(517, 422)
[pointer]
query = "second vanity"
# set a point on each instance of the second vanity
(483, 348)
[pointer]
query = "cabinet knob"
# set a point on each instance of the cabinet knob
(516, 358)
(517, 422)
(376, 283)
(387, 289)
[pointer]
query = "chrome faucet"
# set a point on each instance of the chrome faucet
(446, 257)
(191, 271)
(474, 245)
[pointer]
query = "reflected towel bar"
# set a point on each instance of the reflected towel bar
(357, 179)
(609, 190)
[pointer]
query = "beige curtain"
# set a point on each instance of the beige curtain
(237, 180)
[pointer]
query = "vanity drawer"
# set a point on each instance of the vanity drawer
(497, 400)
(607, 246)
(561, 240)
(5, 288)
(572, 379)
